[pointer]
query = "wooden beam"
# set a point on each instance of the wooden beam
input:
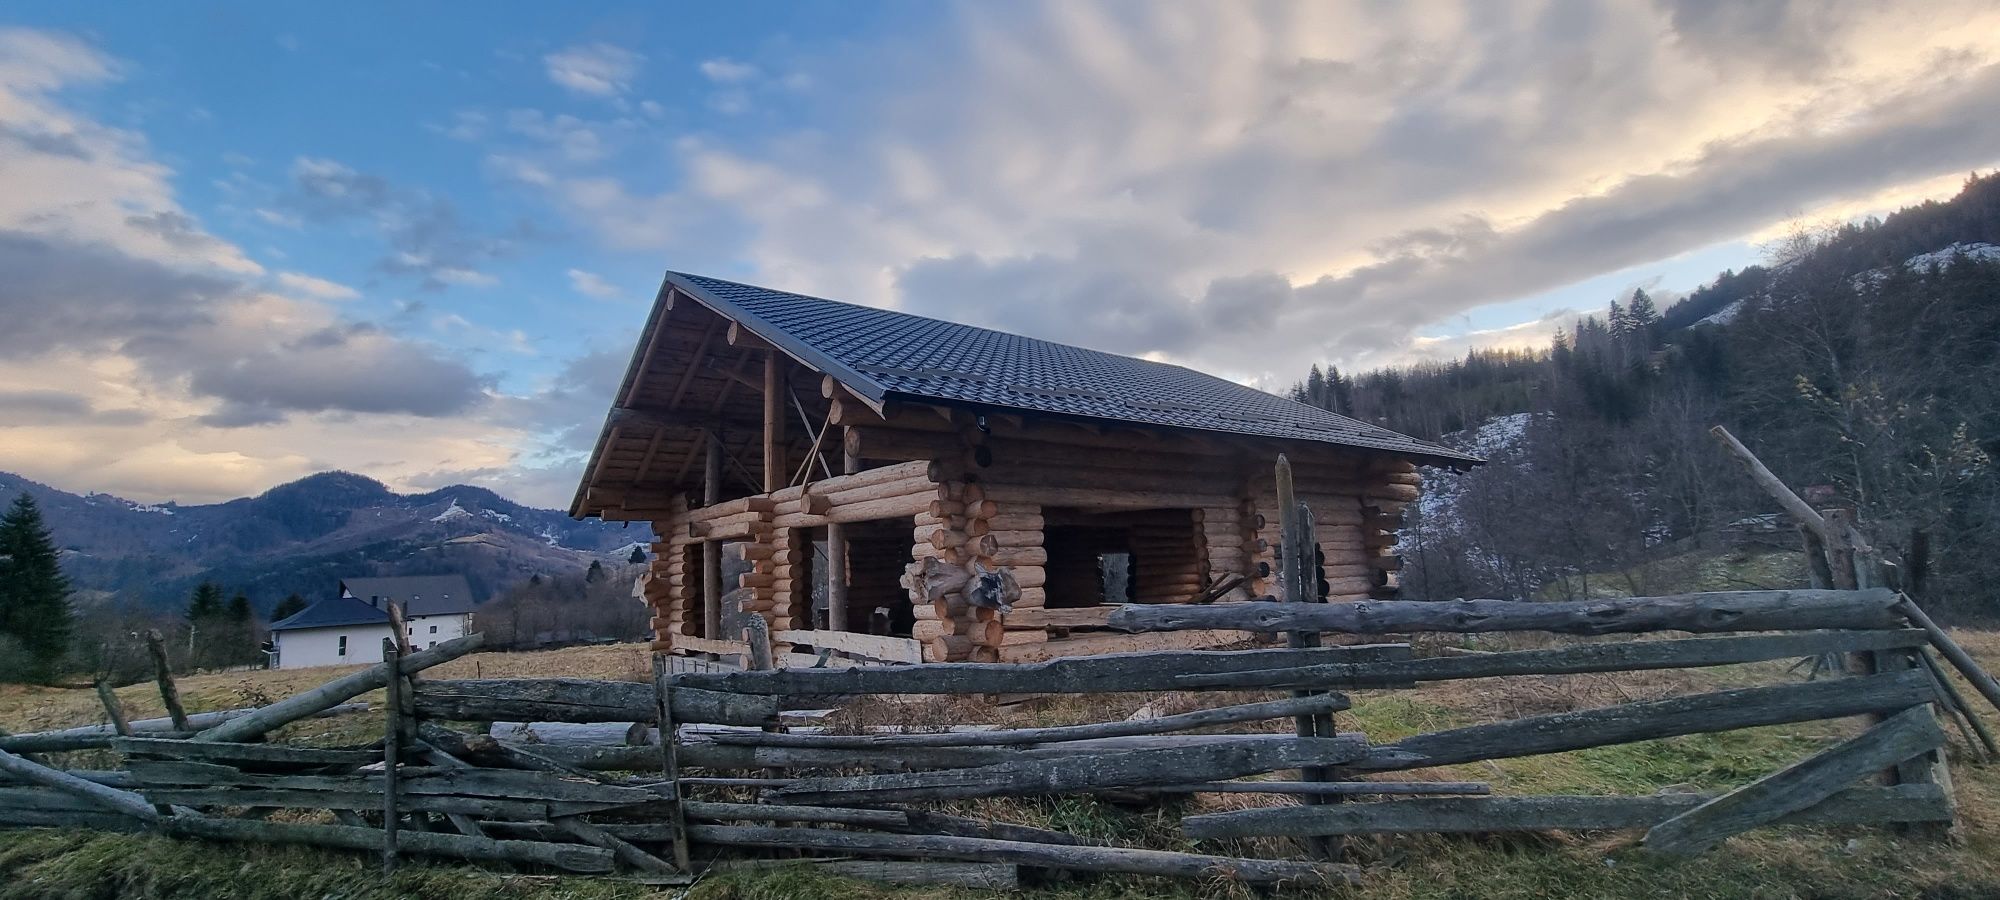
(774, 422)
(1793, 610)
(339, 690)
(1800, 786)
(1857, 806)
(1643, 721)
(695, 363)
(1624, 656)
(1204, 718)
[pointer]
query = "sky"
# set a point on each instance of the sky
(245, 242)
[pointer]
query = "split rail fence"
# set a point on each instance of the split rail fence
(605, 791)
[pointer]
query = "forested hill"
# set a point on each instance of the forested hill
(1863, 362)
(304, 536)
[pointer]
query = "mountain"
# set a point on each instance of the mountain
(304, 536)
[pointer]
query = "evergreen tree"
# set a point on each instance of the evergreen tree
(206, 603)
(595, 573)
(1316, 388)
(638, 556)
(239, 609)
(34, 594)
(290, 606)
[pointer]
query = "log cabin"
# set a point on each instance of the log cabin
(889, 487)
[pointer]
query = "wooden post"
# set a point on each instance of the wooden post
(169, 694)
(774, 422)
(711, 551)
(111, 708)
(1299, 583)
(836, 554)
(669, 746)
(391, 753)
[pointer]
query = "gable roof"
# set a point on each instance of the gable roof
(419, 595)
(333, 612)
(882, 355)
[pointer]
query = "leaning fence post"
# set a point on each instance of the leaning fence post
(392, 739)
(669, 751)
(1299, 583)
(112, 708)
(169, 694)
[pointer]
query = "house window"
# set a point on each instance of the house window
(343, 646)
(434, 643)
(434, 629)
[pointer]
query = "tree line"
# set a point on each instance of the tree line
(1866, 382)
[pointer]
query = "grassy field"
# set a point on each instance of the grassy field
(1780, 863)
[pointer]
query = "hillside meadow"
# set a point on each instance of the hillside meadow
(1780, 863)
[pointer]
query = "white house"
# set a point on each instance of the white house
(349, 628)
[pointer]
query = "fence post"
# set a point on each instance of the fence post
(392, 741)
(669, 754)
(169, 694)
(1298, 582)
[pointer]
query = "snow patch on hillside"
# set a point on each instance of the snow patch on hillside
(1495, 440)
(452, 513)
(496, 516)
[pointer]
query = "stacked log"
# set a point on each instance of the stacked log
(1021, 549)
(1224, 542)
(946, 624)
(1169, 559)
(671, 580)
(758, 587)
(1393, 484)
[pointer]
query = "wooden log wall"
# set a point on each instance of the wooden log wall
(1357, 509)
(673, 580)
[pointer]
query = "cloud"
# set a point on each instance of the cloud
(315, 287)
(426, 238)
(597, 70)
(45, 406)
(723, 70)
(592, 284)
(1249, 189)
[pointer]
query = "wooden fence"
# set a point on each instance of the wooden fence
(701, 767)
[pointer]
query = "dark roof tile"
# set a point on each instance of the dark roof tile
(881, 353)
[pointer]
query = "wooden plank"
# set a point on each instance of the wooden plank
(1791, 610)
(1625, 656)
(581, 700)
(97, 737)
(886, 649)
(1079, 772)
(1648, 720)
(1330, 788)
(1052, 856)
(510, 784)
(241, 753)
(1224, 715)
(337, 691)
(694, 644)
(569, 857)
(1799, 786)
(123, 802)
(1111, 673)
(1121, 643)
(1448, 815)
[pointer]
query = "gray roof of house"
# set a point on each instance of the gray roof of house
(880, 354)
(333, 613)
(419, 595)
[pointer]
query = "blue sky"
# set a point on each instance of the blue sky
(252, 241)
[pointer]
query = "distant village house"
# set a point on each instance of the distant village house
(349, 628)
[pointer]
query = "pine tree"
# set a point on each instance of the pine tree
(206, 603)
(292, 605)
(595, 573)
(638, 556)
(1316, 388)
(239, 609)
(34, 594)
